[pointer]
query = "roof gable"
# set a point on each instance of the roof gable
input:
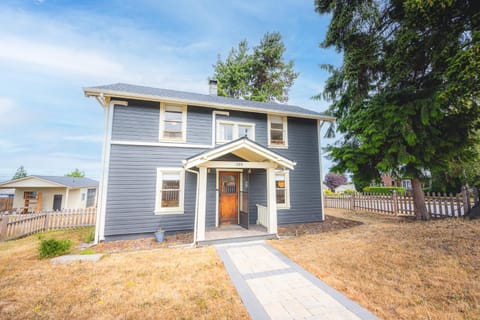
(243, 148)
(123, 90)
(49, 182)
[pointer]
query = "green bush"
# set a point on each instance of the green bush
(328, 192)
(52, 248)
(384, 190)
(349, 191)
(90, 237)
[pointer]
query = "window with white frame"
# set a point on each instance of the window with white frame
(277, 131)
(230, 130)
(173, 122)
(170, 190)
(282, 188)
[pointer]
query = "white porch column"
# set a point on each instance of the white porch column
(202, 203)
(271, 201)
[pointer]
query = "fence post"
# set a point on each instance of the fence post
(45, 225)
(395, 202)
(3, 228)
(352, 202)
(466, 200)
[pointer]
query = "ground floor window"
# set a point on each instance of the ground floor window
(170, 190)
(91, 197)
(282, 189)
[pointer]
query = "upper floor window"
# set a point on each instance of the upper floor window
(277, 132)
(229, 130)
(173, 122)
(170, 190)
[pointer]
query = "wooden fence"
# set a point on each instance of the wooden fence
(438, 205)
(6, 204)
(19, 225)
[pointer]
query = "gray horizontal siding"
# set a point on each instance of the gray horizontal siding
(199, 125)
(211, 214)
(305, 196)
(132, 186)
(137, 122)
(257, 193)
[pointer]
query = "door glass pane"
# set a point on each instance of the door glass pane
(228, 184)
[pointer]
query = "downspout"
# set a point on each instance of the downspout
(322, 198)
(195, 223)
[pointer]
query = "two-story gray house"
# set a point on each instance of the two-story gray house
(186, 161)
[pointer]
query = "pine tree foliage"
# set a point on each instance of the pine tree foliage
(408, 92)
(260, 74)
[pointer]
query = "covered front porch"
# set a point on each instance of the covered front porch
(236, 191)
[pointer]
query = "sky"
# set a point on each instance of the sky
(51, 49)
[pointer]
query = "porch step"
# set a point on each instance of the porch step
(205, 243)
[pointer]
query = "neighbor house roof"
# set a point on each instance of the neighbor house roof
(128, 91)
(71, 182)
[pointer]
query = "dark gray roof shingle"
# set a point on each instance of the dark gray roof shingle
(70, 181)
(246, 105)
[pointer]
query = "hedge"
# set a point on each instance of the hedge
(384, 190)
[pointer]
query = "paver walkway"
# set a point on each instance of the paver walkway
(274, 287)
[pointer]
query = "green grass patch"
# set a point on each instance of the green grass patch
(87, 251)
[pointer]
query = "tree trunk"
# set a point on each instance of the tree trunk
(421, 211)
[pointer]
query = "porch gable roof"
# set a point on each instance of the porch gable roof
(243, 148)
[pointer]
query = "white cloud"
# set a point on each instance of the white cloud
(58, 57)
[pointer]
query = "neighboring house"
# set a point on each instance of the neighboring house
(185, 161)
(39, 193)
(7, 193)
(345, 187)
(406, 183)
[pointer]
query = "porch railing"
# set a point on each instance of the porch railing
(263, 218)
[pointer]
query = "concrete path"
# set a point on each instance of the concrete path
(274, 287)
(79, 257)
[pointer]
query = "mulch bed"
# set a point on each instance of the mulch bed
(330, 224)
(143, 243)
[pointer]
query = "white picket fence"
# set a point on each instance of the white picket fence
(14, 226)
(438, 205)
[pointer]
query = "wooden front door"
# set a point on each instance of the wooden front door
(228, 197)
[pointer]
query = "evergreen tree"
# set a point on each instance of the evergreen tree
(407, 94)
(20, 173)
(262, 75)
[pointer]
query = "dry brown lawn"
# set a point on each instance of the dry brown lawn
(157, 284)
(398, 268)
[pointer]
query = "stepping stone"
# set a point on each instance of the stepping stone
(78, 257)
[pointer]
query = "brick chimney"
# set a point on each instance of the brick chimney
(212, 87)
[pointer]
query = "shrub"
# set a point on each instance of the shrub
(349, 191)
(52, 248)
(90, 237)
(328, 192)
(384, 190)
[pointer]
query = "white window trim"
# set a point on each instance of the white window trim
(183, 139)
(158, 196)
(285, 205)
(235, 130)
(285, 132)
